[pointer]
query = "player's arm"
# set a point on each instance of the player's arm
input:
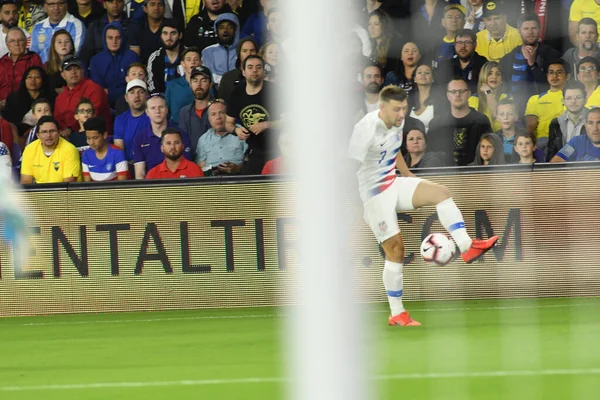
(402, 167)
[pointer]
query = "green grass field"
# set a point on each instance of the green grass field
(513, 349)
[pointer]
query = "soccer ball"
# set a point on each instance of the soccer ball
(438, 249)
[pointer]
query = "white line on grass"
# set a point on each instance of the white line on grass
(125, 321)
(204, 382)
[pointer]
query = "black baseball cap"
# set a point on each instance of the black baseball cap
(493, 8)
(201, 70)
(69, 61)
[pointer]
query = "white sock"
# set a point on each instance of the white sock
(392, 280)
(452, 219)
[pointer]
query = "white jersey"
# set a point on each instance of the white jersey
(376, 147)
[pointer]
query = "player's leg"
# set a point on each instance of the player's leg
(428, 193)
(393, 280)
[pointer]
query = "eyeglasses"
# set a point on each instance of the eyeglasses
(570, 98)
(210, 103)
(86, 111)
(59, 4)
(458, 92)
(464, 43)
(587, 69)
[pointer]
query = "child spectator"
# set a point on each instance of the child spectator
(102, 161)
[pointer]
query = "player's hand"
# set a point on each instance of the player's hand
(259, 127)
(242, 133)
(529, 54)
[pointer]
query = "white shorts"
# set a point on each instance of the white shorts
(381, 211)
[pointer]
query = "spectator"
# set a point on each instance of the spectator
(5, 160)
(417, 155)
(489, 150)
(583, 147)
(275, 31)
(579, 10)
(14, 64)
(179, 94)
(108, 68)
(83, 112)
(77, 87)
(136, 70)
(426, 18)
(498, 38)
(489, 92)
(423, 103)
(163, 63)
(39, 108)
(200, 31)
(61, 46)
(220, 58)
(8, 133)
(9, 15)
(458, 132)
(102, 161)
(588, 73)
(252, 107)
(145, 35)
(244, 48)
(474, 20)
(466, 64)
(19, 103)
(174, 164)
(58, 19)
(270, 54)
(372, 82)
(51, 159)
(256, 25)
(403, 75)
(507, 117)
(95, 37)
(147, 152)
(570, 123)
(385, 43)
(587, 44)
(525, 148)
(525, 66)
(219, 152)
(133, 121)
(30, 13)
(86, 10)
(193, 118)
(452, 22)
(544, 107)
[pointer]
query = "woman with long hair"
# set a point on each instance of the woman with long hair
(384, 39)
(61, 46)
(422, 103)
(489, 92)
(34, 85)
(270, 53)
(490, 150)
(404, 74)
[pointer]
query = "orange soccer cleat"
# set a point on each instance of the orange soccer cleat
(402, 319)
(478, 248)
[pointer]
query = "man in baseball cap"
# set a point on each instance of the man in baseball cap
(499, 38)
(134, 120)
(453, 20)
(193, 118)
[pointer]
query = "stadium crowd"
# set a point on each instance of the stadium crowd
(102, 90)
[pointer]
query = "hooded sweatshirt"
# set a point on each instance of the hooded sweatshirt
(220, 58)
(108, 70)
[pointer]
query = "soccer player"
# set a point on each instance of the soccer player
(375, 143)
